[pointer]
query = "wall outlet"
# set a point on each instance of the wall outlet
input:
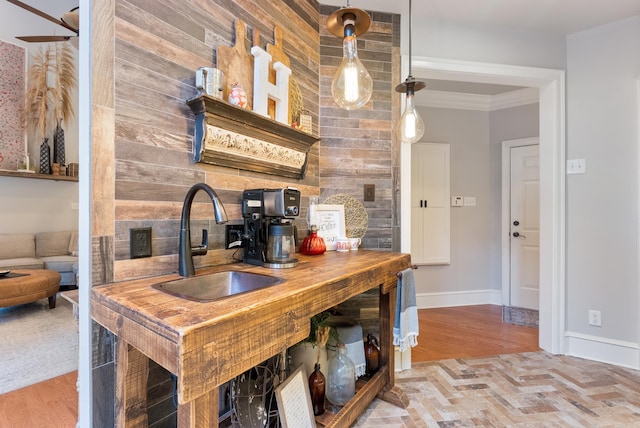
(233, 235)
(595, 318)
(140, 242)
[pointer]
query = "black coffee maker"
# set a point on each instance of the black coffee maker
(269, 238)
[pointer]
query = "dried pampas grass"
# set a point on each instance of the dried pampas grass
(44, 105)
(36, 113)
(66, 82)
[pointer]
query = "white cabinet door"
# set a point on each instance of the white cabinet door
(430, 194)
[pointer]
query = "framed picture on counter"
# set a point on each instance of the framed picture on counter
(330, 219)
(294, 401)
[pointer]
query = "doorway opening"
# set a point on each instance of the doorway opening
(550, 84)
(520, 231)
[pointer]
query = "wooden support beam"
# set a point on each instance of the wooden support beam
(132, 374)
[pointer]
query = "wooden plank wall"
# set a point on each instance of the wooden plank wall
(157, 46)
(144, 59)
(359, 147)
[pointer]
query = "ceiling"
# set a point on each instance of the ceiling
(557, 16)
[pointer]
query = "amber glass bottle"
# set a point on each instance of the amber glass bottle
(316, 387)
(371, 355)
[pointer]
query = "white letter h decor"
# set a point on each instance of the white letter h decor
(263, 90)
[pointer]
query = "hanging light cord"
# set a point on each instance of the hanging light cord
(410, 34)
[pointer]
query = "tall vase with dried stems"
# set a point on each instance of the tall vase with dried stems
(48, 106)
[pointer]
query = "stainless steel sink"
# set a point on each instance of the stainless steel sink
(207, 288)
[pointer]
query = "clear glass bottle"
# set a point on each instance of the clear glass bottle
(341, 381)
(317, 388)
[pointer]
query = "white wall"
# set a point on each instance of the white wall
(472, 42)
(602, 205)
(30, 205)
(475, 138)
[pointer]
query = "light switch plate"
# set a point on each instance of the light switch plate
(457, 201)
(369, 192)
(576, 166)
(469, 201)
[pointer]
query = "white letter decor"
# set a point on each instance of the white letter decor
(263, 90)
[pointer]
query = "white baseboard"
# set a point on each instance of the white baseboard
(617, 352)
(459, 298)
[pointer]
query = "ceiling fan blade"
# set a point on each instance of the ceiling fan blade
(43, 39)
(42, 14)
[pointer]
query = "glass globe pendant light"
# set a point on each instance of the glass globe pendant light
(352, 85)
(410, 129)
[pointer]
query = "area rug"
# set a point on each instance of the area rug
(534, 389)
(36, 343)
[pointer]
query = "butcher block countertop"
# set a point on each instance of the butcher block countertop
(207, 343)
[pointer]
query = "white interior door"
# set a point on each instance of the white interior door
(525, 227)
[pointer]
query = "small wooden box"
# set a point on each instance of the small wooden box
(72, 170)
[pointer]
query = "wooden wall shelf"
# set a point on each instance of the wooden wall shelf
(234, 137)
(37, 176)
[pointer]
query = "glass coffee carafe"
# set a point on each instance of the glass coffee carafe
(281, 246)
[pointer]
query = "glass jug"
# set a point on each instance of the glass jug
(341, 380)
(281, 245)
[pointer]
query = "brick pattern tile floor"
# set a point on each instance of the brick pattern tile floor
(534, 389)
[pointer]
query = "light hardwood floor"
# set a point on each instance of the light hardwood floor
(460, 332)
(469, 331)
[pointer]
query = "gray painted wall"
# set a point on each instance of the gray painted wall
(505, 124)
(475, 140)
(603, 65)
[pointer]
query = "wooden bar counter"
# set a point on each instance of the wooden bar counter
(207, 344)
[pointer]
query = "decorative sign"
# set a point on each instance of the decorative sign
(233, 143)
(330, 221)
(294, 401)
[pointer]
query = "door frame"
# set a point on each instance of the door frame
(551, 86)
(505, 223)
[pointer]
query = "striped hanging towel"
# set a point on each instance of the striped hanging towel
(405, 323)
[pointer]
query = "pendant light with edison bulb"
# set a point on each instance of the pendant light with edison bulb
(352, 85)
(410, 128)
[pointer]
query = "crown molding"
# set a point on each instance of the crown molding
(463, 101)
